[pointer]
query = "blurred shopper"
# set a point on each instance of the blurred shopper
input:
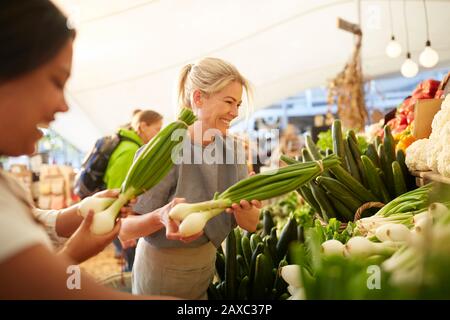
(34, 67)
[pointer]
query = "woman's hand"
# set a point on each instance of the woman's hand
(83, 245)
(246, 213)
(114, 193)
(172, 226)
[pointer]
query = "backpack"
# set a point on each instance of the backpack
(90, 177)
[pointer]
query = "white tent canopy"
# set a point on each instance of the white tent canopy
(128, 52)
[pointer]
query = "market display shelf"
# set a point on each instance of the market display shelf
(424, 177)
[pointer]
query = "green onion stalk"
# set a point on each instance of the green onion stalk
(261, 186)
(149, 168)
(400, 210)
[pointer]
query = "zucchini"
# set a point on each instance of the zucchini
(230, 266)
(279, 284)
(378, 142)
(221, 289)
(399, 180)
(325, 206)
(376, 185)
(261, 277)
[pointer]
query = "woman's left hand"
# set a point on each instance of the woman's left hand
(246, 214)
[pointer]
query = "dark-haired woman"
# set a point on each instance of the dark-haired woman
(35, 63)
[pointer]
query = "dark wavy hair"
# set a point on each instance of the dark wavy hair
(32, 32)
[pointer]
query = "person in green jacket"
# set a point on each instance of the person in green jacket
(143, 127)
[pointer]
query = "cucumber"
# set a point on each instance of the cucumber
(220, 265)
(279, 284)
(286, 237)
(246, 250)
(337, 189)
(230, 266)
(378, 142)
(389, 145)
(243, 287)
(272, 245)
(338, 141)
(376, 185)
(312, 148)
(242, 266)
(326, 208)
(399, 180)
(352, 135)
(386, 166)
(345, 213)
(221, 289)
(352, 168)
(371, 152)
(254, 240)
(259, 249)
(267, 222)
(354, 185)
(409, 178)
(238, 236)
(307, 195)
(354, 149)
(259, 283)
(306, 156)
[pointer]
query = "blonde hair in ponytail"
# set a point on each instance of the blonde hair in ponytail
(209, 75)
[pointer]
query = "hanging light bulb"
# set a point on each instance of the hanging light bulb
(429, 57)
(393, 49)
(409, 67)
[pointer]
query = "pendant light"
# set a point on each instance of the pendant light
(393, 48)
(409, 67)
(429, 57)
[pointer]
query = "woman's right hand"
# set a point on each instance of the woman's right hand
(172, 226)
(83, 244)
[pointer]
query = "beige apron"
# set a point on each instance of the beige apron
(181, 272)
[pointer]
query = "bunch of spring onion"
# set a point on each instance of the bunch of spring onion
(400, 210)
(415, 263)
(150, 167)
(194, 216)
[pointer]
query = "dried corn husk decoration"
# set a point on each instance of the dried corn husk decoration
(347, 91)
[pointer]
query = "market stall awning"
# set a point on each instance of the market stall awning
(128, 52)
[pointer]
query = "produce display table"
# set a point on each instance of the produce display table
(424, 177)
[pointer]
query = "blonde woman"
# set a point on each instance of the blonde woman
(166, 262)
